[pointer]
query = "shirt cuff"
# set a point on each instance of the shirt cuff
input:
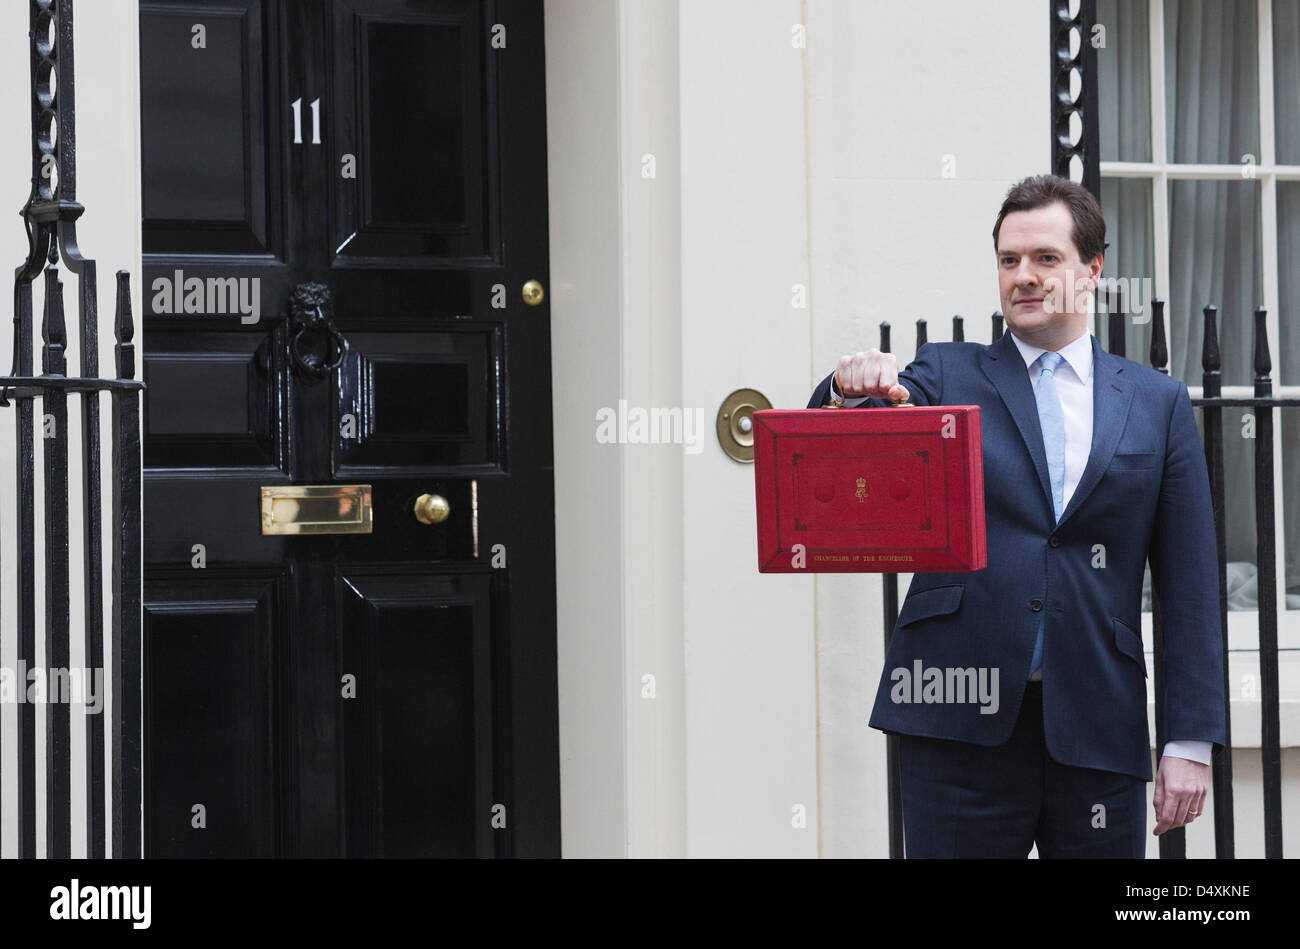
(1200, 751)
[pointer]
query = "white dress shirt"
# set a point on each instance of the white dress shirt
(1074, 387)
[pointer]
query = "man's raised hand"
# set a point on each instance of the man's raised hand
(873, 374)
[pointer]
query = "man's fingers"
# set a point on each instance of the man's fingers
(872, 373)
(1172, 810)
(1162, 823)
(1169, 813)
(875, 376)
(1180, 793)
(889, 380)
(860, 374)
(1163, 804)
(844, 375)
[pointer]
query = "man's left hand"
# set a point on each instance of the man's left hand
(1181, 786)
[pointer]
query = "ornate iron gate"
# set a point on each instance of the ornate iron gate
(50, 217)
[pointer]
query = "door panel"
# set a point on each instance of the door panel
(427, 402)
(210, 681)
(216, 399)
(397, 695)
(412, 103)
(421, 780)
(206, 153)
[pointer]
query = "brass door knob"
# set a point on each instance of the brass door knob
(533, 293)
(431, 509)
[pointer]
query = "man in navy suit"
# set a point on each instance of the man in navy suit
(1020, 690)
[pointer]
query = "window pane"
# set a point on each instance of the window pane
(1239, 514)
(1288, 373)
(1214, 257)
(1129, 261)
(1211, 84)
(1124, 81)
(1290, 423)
(1286, 79)
(1288, 284)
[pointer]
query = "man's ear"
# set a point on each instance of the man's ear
(1094, 272)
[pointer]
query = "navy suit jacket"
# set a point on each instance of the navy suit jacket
(1144, 494)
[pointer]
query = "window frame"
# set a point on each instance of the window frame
(1243, 626)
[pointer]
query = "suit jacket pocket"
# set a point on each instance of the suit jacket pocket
(935, 601)
(1129, 642)
(1134, 459)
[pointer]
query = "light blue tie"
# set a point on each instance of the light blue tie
(1052, 420)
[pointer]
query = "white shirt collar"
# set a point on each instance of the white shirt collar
(1078, 354)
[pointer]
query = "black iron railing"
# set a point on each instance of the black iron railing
(1075, 126)
(1173, 843)
(50, 217)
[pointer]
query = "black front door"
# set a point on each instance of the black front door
(349, 516)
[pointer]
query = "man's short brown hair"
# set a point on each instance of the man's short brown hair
(1041, 190)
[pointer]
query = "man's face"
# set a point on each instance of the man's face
(1042, 281)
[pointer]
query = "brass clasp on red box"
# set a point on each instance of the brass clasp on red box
(870, 490)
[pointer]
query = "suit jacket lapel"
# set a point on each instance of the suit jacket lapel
(1005, 368)
(1111, 398)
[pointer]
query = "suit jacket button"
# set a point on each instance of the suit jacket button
(1035, 604)
(1054, 541)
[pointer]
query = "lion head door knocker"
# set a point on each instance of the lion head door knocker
(316, 347)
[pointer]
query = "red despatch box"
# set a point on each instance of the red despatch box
(885, 490)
